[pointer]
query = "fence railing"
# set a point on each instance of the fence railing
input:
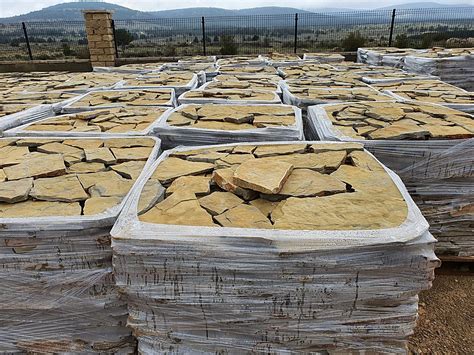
(290, 33)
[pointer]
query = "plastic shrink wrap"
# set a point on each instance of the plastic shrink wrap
(58, 292)
(194, 289)
(180, 82)
(390, 56)
(324, 57)
(203, 95)
(439, 174)
(26, 115)
(262, 123)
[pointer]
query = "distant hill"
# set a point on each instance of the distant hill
(215, 11)
(423, 5)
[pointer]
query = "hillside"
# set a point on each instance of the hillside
(215, 11)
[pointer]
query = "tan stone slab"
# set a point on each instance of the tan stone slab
(400, 131)
(448, 132)
(244, 216)
(268, 120)
(262, 175)
(71, 154)
(272, 150)
(176, 119)
(243, 149)
(133, 153)
(43, 165)
(386, 113)
(129, 142)
(172, 168)
(182, 208)
(197, 184)
(3, 177)
(129, 169)
(66, 188)
(105, 184)
(265, 206)
(224, 178)
(34, 142)
(100, 155)
(11, 155)
(218, 202)
(5, 142)
(96, 205)
(207, 157)
(152, 193)
(348, 147)
(31, 208)
(233, 159)
(321, 162)
(16, 190)
(305, 183)
(222, 126)
(85, 167)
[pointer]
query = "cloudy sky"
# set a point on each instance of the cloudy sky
(17, 7)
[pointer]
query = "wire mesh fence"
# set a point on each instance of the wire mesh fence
(286, 33)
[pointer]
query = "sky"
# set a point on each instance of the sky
(17, 7)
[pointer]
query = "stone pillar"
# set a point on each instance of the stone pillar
(100, 37)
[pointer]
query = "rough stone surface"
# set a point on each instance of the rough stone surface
(16, 190)
(39, 209)
(305, 182)
(197, 184)
(66, 188)
(37, 166)
(96, 205)
(218, 202)
(172, 168)
(244, 216)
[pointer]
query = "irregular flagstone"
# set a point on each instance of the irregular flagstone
(37, 166)
(348, 147)
(365, 161)
(272, 150)
(11, 155)
(34, 142)
(152, 193)
(400, 131)
(39, 209)
(84, 143)
(3, 177)
(117, 186)
(305, 182)
(129, 143)
(224, 178)
(244, 149)
(66, 188)
(172, 168)
(129, 169)
(209, 157)
(96, 205)
(181, 207)
(100, 155)
(265, 206)
(233, 159)
(16, 190)
(320, 162)
(244, 216)
(218, 202)
(200, 185)
(85, 167)
(88, 180)
(133, 153)
(451, 132)
(262, 175)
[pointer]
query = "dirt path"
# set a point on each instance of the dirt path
(446, 323)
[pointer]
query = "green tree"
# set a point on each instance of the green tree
(228, 46)
(195, 40)
(401, 41)
(123, 37)
(255, 38)
(353, 41)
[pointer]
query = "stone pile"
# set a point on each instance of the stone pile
(59, 198)
(281, 59)
(120, 120)
(430, 146)
(390, 56)
(230, 96)
(179, 81)
(245, 81)
(281, 247)
(199, 59)
(121, 98)
(11, 109)
(32, 82)
(36, 98)
(324, 57)
(388, 76)
(240, 61)
(85, 82)
(434, 85)
(210, 124)
(247, 69)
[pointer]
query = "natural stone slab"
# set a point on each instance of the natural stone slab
(262, 175)
(11, 155)
(39, 209)
(172, 168)
(113, 186)
(85, 167)
(129, 142)
(34, 142)
(3, 177)
(208, 157)
(305, 182)
(16, 190)
(132, 153)
(37, 166)
(66, 188)
(100, 155)
(181, 207)
(272, 150)
(244, 216)
(321, 162)
(70, 154)
(96, 205)
(224, 178)
(152, 193)
(265, 206)
(400, 130)
(447, 132)
(197, 184)
(130, 169)
(218, 202)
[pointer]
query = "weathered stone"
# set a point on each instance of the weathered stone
(197, 184)
(243, 149)
(152, 193)
(400, 131)
(244, 216)
(133, 153)
(100, 155)
(129, 169)
(96, 205)
(11, 155)
(222, 126)
(70, 154)
(85, 167)
(105, 184)
(265, 206)
(365, 161)
(305, 182)
(234, 159)
(207, 157)
(3, 177)
(181, 207)
(447, 132)
(37, 166)
(273, 150)
(321, 162)
(34, 142)
(31, 208)
(262, 175)
(332, 147)
(66, 188)
(129, 142)
(224, 178)
(218, 202)
(16, 190)
(172, 168)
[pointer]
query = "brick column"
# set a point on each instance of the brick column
(100, 37)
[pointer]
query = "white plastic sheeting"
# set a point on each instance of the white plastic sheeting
(59, 294)
(236, 290)
(26, 116)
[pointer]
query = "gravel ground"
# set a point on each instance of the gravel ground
(446, 323)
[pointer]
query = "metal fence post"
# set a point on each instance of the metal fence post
(296, 32)
(391, 29)
(203, 35)
(27, 41)
(112, 23)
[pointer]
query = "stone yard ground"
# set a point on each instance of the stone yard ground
(446, 323)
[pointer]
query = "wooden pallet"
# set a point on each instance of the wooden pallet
(456, 259)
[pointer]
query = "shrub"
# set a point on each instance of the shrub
(353, 41)
(228, 46)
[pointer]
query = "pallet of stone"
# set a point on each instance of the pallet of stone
(17, 115)
(428, 145)
(136, 68)
(454, 65)
(306, 70)
(436, 85)
(247, 69)
(199, 59)
(103, 99)
(276, 59)
(33, 81)
(394, 76)
(192, 124)
(129, 120)
(456, 99)
(204, 71)
(333, 81)
(91, 81)
(180, 82)
(59, 198)
(324, 57)
(389, 56)
(229, 96)
(240, 61)
(289, 248)
(231, 82)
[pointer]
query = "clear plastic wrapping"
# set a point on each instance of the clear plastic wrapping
(439, 174)
(61, 294)
(26, 116)
(172, 136)
(205, 290)
(178, 89)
